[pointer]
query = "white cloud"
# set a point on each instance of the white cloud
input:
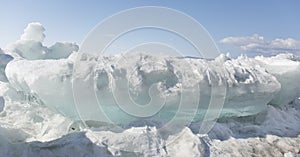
(259, 44)
(30, 46)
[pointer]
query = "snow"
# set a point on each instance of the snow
(39, 125)
(286, 68)
(34, 31)
(51, 136)
(30, 45)
(42, 79)
(47, 79)
(268, 146)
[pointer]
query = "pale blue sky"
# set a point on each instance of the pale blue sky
(71, 20)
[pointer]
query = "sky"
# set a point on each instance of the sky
(252, 27)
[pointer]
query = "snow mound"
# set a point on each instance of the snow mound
(34, 31)
(30, 45)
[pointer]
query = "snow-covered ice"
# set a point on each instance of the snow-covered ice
(30, 45)
(286, 68)
(251, 83)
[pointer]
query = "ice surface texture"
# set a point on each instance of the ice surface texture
(286, 68)
(4, 59)
(251, 83)
(29, 128)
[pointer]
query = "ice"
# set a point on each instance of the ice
(61, 50)
(38, 116)
(30, 46)
(281, 122)
(43, 132)
(250, 87)
(1, 103)
(34, 31)
(286, 68)
(268, 146)
(141, 141)
(42, 79)
(4, 59)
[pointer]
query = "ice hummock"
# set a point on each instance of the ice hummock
(251, 82)
(286, 69)
(31, 126)
(30, 46)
